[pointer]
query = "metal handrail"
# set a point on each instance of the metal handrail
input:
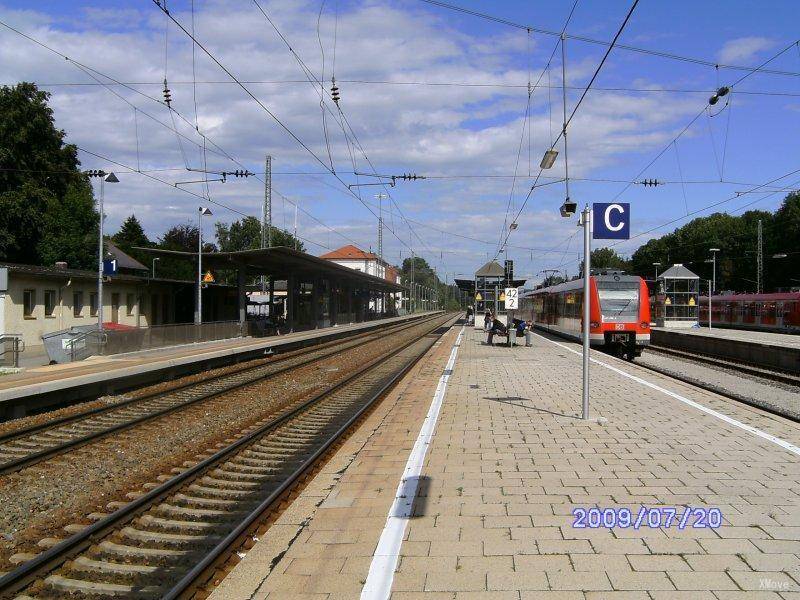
(83, 336)
(17, 340)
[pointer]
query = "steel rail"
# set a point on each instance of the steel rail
(212, 558)
(65, 420)
(37, 457)
(47, 561)
(720, 391)
(729, 364)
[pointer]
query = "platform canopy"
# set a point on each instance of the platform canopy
(280, 262)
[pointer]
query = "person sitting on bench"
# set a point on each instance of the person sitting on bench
(497, 328)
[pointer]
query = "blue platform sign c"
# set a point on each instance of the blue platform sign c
(611, 220)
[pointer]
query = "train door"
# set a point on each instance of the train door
(769, 315)
(779, 308)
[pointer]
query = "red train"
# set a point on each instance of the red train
(767, 312)
(619, 311)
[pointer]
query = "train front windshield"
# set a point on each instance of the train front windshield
(619, 301)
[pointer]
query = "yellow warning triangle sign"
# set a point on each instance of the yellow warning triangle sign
(208, 277)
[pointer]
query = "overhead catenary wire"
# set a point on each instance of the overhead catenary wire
(191, 193)
(531, 90)
(95, 75)
(464, 84)
(265, 108)
(697, 116)
(314, 81)
(575, 110)
(588, 40)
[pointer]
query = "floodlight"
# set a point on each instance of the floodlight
(548, 159)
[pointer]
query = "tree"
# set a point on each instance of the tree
(423, 273)
(30, 145)
(182, 238)
(245, 234)
(21, 216)
(38, 172)
(131, 235)
(607, 258)
(69, 229)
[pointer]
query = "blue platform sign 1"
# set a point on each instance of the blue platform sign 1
(611, 220)
(110, 267)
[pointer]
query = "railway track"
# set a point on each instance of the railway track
(28, 446)
(728, 364)
(759, 403)
(171, 538)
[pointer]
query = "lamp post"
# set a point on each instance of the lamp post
(110, 178)
(154, 266)
(713, 268)
(201, 211)
(586, 218)
(656, 265)
(713, 280)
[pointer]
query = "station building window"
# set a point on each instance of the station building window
(93, 304)
(28, 303)
(49, 303)
(130, 303)
(77, 304)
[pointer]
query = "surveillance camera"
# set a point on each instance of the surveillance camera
(568, 208)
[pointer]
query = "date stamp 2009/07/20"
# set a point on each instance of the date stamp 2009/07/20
(654, 517)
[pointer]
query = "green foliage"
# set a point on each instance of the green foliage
(423, 273)
(552, 279)
(21, 216)
(607, 258)
(31, 145)
(40, 185)
(69, 229)
(245, 234)
(737, 239)
(183, 238)
(131, 235)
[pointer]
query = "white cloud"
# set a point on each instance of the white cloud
(423, 129)
(743, 49)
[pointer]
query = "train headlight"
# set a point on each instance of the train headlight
(644, 324)
(594, 324)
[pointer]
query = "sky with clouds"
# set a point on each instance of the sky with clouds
(396, 64)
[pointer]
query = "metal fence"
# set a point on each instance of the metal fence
(161, 336)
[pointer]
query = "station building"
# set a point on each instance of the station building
(355, 258)
(140, 312)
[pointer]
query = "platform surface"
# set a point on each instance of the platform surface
(507, 465)
(786, 340)
(60, 376)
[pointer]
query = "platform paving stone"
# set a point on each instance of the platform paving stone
(511, 460)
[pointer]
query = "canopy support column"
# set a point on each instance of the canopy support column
(240, 288)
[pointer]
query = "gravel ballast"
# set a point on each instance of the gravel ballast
(759, 391)
(39, 501)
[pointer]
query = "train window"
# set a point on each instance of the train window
(619, 303)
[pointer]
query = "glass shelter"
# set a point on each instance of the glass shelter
(677, 297)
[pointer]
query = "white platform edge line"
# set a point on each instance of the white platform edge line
(378, 585)
(730, 420)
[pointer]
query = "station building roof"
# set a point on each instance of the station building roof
(280, 262)
(491, 269)
(678, 271)
(468, 285)
(349, 252)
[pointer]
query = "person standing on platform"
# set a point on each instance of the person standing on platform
(470, 315)
(487, 321)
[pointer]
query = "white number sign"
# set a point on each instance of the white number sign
(512, 298)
